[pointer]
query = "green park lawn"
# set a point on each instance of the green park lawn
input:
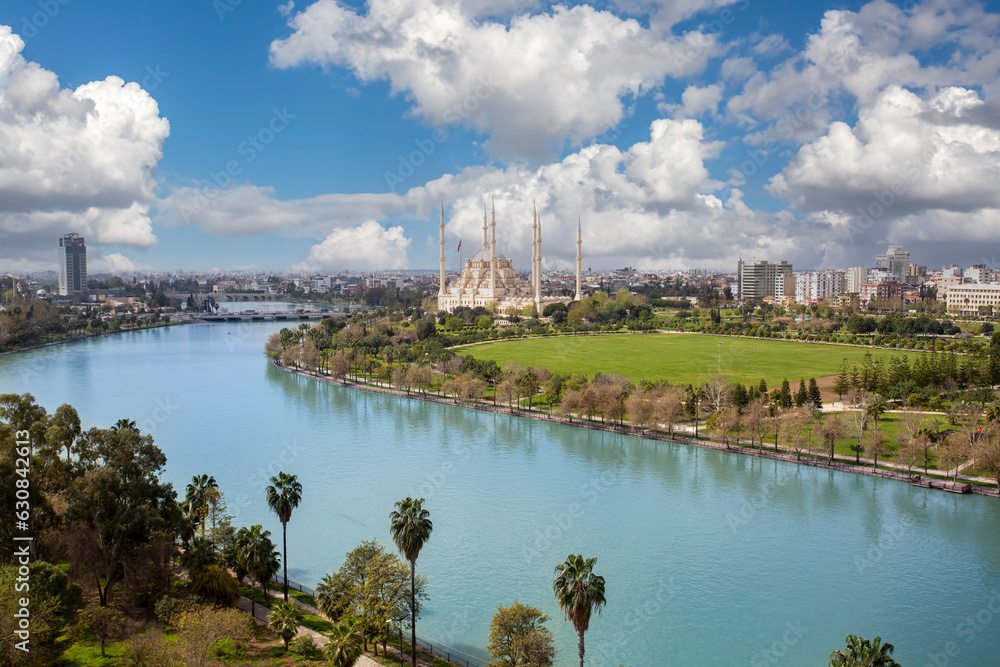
(677, 358)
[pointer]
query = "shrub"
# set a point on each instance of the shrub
(306, 647)
(230, 649)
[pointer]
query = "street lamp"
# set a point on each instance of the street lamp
(720, 357)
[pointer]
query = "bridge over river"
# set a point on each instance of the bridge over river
(255, 316)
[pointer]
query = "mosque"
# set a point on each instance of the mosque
(489, 278)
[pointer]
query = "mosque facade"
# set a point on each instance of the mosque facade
(489, 278)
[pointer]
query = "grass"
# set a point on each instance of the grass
(678, 358)
(308, 620)
(86, 652)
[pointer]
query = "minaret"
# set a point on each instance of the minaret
(441, 290)
(538, 272)
(579, 259)
(534, 243)
(485, 245)
(493, 254)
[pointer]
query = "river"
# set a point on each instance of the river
(710, 558)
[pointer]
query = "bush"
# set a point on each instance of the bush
(230, 649)
(306, 647)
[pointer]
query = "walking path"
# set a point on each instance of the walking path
(319, 639)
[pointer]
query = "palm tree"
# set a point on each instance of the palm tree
(125, 425)
(285, 619)
(283, 495)
(863, 653)
(197, 495)
(876, 408)
(579, 591)
(255, 553)
(410, 529)
(345, 645)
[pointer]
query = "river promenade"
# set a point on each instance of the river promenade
(812, 458)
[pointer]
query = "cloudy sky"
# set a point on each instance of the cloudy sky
(323, 135)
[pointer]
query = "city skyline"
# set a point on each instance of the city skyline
(681, 137)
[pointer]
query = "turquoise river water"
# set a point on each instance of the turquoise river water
(710, 558)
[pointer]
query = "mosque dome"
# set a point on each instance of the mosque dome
(484, 256)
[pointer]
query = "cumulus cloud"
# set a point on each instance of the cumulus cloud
(531, 84)
(114, 263)
(367, 247)
(857, 55)
(695, 101)
(78, 160)
(919, 154)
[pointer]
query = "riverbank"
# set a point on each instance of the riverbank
(74, 338)
(782, 454)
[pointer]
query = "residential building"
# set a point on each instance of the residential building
(756, 280)
(979, 273)
(73, 266)
(815, 286)
(854, 277)
(884, 290)
(916, 275)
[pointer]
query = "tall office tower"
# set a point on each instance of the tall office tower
(895, 261)
(73, 266)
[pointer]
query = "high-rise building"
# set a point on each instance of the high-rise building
(856, 275)
(756, 279)
(72, 266)
(814, 286)
(895, 261)
(979, 273)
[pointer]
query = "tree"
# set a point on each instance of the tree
(831, 429)
(877, 406)
(876, 443)
(345, 645)
(716, 393)
(284, 494)
(48, 618)
(285, 619)
(815, 397)
(640, 409)
(669, 408)
(858, 420)
(987, 451)
(215, 583)
(197, 496)
(105, 623)
(122, 520)
(579, 592)
(802, 395)
(725, 423)
(255, 553)
(863, 653)
(518, 637)
(843, 382)
(786, 394)
(411, 528)
(370, 586)
(798, 429)
(199, 630)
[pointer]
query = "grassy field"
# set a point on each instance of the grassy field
(677, 358)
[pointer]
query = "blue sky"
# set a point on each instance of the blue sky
(682, 134)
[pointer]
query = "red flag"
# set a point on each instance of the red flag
(459, 246)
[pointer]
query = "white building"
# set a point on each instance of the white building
(979, 273)
(854, 278)
(815, 286)
(489, 278)
(968, 299)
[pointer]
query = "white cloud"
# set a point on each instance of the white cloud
(695, 102)
(249, 210)
(369, 246)
(904, 154)
(856, 55)
(531, 85)
(78, 160)
(114, 263)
